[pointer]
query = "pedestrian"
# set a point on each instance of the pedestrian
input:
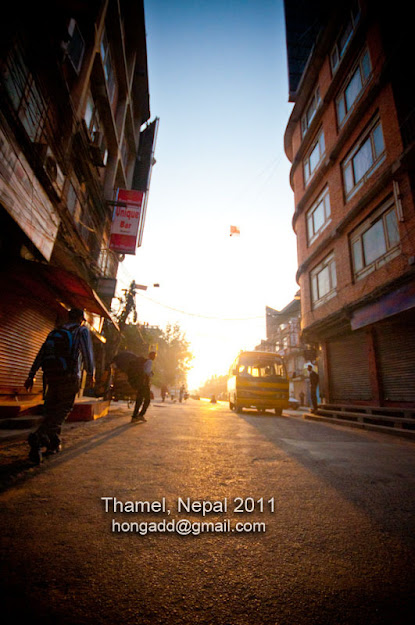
(66, 351)
(143, 397)
(181, 393)
(314, 379)
(164, 392)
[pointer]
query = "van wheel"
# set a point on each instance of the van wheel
(278, 412)
(231, 405)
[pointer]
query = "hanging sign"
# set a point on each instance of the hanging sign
(126, 221)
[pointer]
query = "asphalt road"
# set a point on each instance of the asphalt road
(325, 536)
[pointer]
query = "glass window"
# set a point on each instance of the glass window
(375, 242)
(314, 158)
(354, 87)
(364, 159)
(392, 228)
(108, 67)
(323, 281)
(24, 94)
(345, 35)
(318, 216)
(311, 110)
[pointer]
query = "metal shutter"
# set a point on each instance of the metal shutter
(348, 368)
(396, 356)
(24, 326)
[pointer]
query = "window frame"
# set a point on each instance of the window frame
(357, 236)
(338, 51)
(108, 67)
(328, 263)
(24, 94)
(307, 159)
(313, 104)
(323, 199)
(363, 83)
(376, 159)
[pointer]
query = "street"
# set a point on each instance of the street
(288, 522)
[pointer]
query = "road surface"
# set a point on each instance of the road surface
(288, 522)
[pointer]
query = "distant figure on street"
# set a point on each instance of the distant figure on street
(181, 393)
(164, 391)
(143, 398)
(313, 387)
(63, 355)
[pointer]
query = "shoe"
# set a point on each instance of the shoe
(35, 455)
(53, 450)
(141, 418)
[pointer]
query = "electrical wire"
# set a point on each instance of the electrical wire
(192, 314)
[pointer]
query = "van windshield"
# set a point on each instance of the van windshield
(265, 369)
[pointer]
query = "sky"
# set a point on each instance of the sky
(218, 83)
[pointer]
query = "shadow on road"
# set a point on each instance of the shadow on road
(22, 470)
(371, 470)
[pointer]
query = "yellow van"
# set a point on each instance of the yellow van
(258, 380)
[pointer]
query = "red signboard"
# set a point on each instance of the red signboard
(125, 221)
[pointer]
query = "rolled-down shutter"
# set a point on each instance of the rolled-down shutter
(395, 343)
(348, 368)
(24, 326)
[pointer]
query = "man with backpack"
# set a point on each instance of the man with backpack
(142, 383)
(60, 357)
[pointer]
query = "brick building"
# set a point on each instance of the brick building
(74, 129)
(350, 139)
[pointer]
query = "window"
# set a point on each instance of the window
(313, 160)
(108, 68)
(364, 159)
(76, 46)
(375, 242)
(310, 111)
(25, 97)
(354, 87)
(318, 217)
(323, 281)
(346, 33)
(95, 129)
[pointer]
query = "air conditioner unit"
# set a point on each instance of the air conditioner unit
(51, 167)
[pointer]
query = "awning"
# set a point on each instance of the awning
(391, 304)
(63, 285)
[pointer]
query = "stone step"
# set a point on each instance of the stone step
(363, 417)
(85, 409)
(364, 425)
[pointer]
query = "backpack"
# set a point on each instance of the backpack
(135, 371)
(58, 356)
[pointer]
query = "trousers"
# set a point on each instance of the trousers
(142, 400)
(59, 400)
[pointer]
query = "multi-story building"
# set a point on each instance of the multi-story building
(283, 329)
(74, 129)
(350, 139)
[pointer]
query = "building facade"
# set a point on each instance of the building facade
(74, 129)
(350, 139)
(283, 329)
